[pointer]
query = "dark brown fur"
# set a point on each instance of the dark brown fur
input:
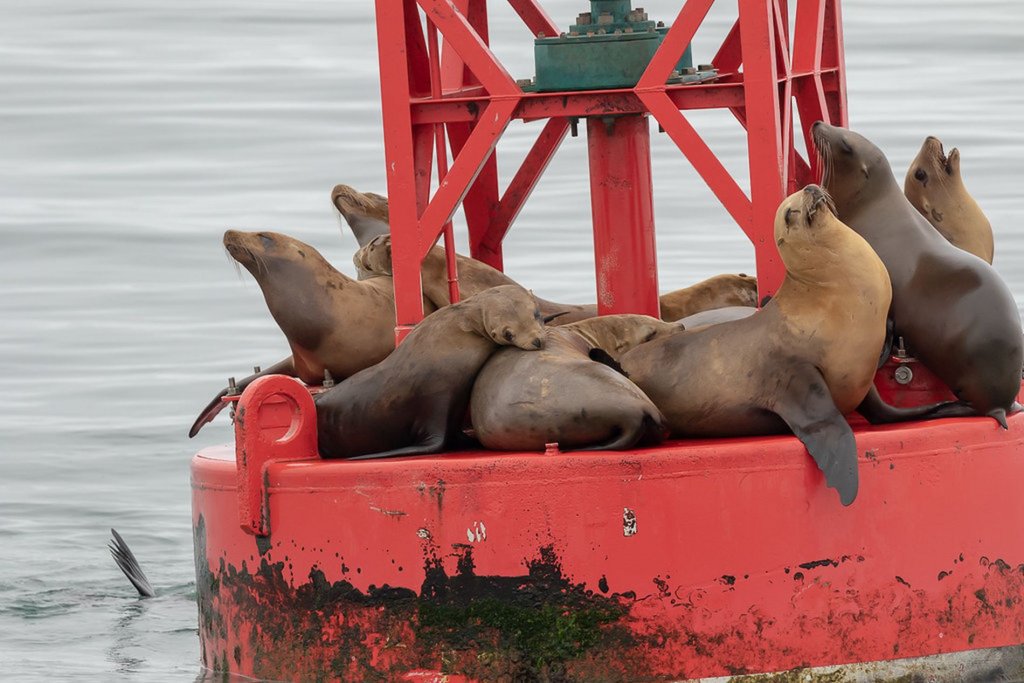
(414, 401)
(954, 311)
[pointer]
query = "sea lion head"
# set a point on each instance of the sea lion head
(802, 223)
(265, 253)
(617, 334)
(366, 213)
(931, 178)
(375, 257)
(510, 316)
(852, 166)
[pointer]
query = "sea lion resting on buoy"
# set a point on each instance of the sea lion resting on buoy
(365, 212)
(332, 322)
(936, 189)
(522, 401)
(802, 361)
(413, 402)
(955, 313)
(719, 291)
(476, 276)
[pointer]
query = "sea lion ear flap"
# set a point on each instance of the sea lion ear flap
(811, 414)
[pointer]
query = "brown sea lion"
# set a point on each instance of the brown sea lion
(954, 311)
(935, 187)
(332, 322)
(522, 401)
(414, 401)
(802, 361)
(719, 291)
(475, 276)
(365, 212)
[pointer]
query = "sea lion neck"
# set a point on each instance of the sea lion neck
(293, 292)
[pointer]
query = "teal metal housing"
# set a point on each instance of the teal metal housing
(608, 47)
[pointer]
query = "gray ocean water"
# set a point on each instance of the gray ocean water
(133, 133)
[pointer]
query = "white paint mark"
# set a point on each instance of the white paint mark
(628, 522)
(423, 533)
(477, 533)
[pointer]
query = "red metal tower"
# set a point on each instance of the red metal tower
(463, 95)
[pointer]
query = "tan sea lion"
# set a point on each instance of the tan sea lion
(476, 276)
(936, 189)
(954, 311)
(365, 212)
(414, 401)
(802, 361)
(719, 291)
(522, 401)
(332, 322)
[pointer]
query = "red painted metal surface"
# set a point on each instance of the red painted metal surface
(620, 195)
(698, 558)
(478, 98)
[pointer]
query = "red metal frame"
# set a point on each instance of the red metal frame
(763, 72)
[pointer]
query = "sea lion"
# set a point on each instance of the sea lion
(802, 361)
(936, 189)
(524, 400)
(476, 276)
(414, 401)
(332, 322)
(955, 313)
(719, 291)
(365, 212)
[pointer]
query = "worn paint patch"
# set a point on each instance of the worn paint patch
(628, 522)
(538, 626)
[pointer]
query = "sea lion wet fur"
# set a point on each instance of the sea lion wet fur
(936, 188)
(953, 310)
(414, 401)
(802, 361)
(331, 321)
(525, 400)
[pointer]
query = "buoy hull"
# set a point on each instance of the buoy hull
(695, 559)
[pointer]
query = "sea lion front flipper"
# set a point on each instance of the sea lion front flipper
(599, 355)
(284, 367)
(433, 444)
(808, 410)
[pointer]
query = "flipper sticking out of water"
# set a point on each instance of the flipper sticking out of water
(129, 565)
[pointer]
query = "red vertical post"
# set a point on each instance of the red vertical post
(765, 139)
(403, 62)
(621, 201)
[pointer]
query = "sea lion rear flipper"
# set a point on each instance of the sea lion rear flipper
(284, 367)
(876, 411)
(811, 414)
(125, 559)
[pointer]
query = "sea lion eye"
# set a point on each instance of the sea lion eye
(508, 335)
(789, 213)
(846, 146)
(921, 175)
(267, 241)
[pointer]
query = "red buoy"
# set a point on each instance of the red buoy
(698, 558)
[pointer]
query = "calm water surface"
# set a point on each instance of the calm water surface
(133, 133)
